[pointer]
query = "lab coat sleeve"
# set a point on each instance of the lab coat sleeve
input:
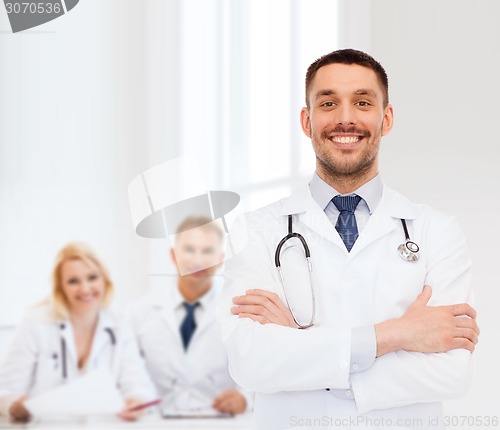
(133, 379)
(270, 358)
(363, 348)
(19, 365)
(249, 398)
(403, 378)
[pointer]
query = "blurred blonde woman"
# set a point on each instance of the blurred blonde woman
(69, 334)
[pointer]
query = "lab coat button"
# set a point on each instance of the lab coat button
(355, 366)
(348, 393)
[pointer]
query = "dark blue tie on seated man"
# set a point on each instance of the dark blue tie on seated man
(176, 329)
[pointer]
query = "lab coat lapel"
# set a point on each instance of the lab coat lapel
(102, 338)
(379, 225)
(208, 311)
(303, 204)
(391, 209)
(167, 301)
(204, 323)
(69, 340)
(171, 322)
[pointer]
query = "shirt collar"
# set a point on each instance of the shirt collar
(370, 192)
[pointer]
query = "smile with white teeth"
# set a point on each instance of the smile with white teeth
(86, 298)
(346, 139)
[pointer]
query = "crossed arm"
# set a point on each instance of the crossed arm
(421, 328)
(426, 350)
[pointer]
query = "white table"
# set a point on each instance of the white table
(243, 422)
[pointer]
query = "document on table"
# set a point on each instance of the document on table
(207, 412)
(94, 393)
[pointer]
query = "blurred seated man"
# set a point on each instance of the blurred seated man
(177, 333)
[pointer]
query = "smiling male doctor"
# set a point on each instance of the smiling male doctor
(384, 350)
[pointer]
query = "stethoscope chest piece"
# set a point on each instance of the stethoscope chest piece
(409, 251)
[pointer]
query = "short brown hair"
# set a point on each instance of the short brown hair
(76, 251)
(348, 56)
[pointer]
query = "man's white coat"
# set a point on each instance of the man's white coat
(291, 369)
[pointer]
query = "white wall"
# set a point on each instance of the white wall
(443, 63)
(73, 133)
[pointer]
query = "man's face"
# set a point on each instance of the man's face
(346, 119)
(197, 253)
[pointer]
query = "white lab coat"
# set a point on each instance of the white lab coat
(186, 381)
(33, 364)
(289, 369)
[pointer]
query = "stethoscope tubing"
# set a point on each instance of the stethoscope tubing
(409, 251)
(63, 355)
(277, 262)
(108, 330)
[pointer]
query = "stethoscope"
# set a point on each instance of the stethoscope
(62, 326)
(408, 251)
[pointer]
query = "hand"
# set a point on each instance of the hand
(128, 415)
(230, 402)
(264, 307)
(425, 328)
(18, 412)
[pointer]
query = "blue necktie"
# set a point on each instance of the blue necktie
(188, 326)
(346, 222)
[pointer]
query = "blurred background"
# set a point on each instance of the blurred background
(96, 97)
